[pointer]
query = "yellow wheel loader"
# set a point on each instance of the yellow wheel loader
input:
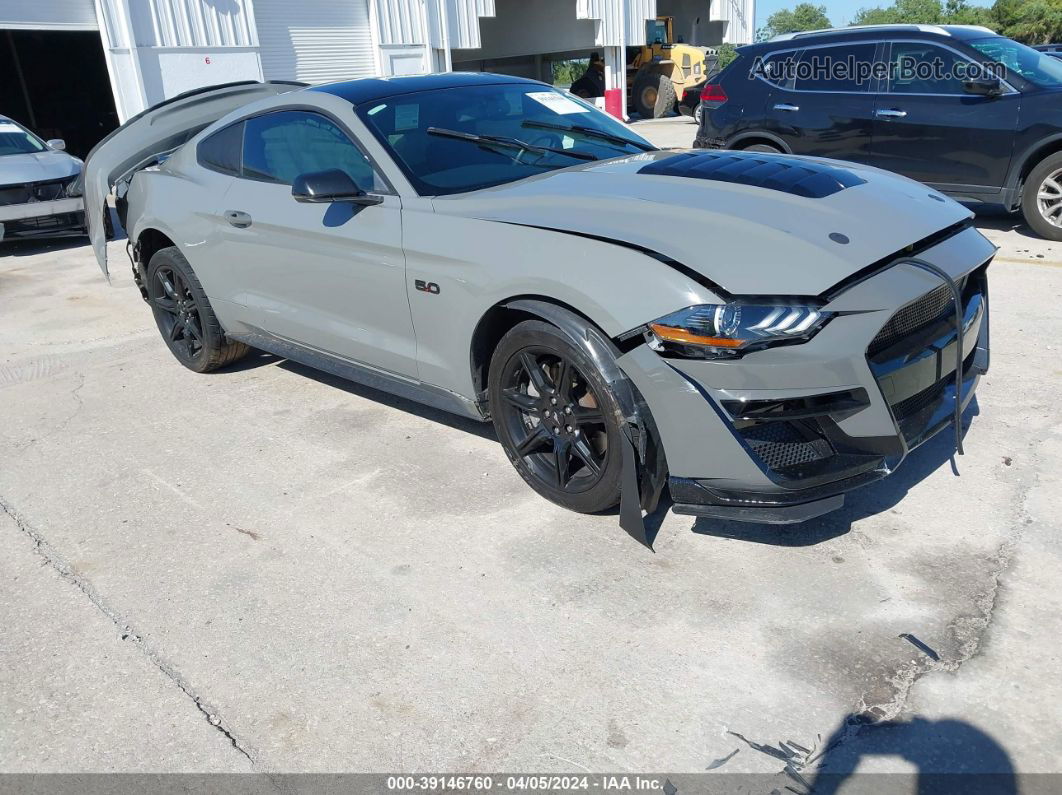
(659, 73)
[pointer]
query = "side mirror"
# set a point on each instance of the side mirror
(57, 143)
(333, 185)
(983, 86)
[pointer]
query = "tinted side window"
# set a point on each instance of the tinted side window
(920, 68)
(776, 68)
(278, 147)
(221, 151)
(846, 67)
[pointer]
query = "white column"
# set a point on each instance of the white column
(615, 81)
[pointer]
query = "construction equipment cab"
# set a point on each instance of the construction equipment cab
(661, 71)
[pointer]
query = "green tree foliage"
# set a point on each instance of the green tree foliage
(803, 16)
(567, 72)
(1029, 21)
(727, 53)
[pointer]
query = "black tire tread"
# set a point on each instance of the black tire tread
(666, 95)
(221, 351)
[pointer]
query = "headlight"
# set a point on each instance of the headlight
(714, 331)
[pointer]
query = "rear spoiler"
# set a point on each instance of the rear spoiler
(159, 129)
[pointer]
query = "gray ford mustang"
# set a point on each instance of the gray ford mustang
(758, 333)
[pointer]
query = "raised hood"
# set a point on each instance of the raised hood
(156, 131)
(770, 224)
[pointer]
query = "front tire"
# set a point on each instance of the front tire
(556, 418)
(1041, 198)
(654, 95)
(184, 316)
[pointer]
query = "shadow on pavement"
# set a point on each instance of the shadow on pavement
(950, 755)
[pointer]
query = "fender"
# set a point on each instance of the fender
(1019, 161)
(644, 466)
(774, 139)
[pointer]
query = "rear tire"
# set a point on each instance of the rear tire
(556, 417)
(654, 95)
(1041, 198)
(184, 316)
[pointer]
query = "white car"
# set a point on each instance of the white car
(38, 185)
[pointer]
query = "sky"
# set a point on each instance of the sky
(840, 12)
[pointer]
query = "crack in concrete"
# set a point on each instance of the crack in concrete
(972, 631)
(56, 562)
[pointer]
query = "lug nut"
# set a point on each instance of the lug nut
(567, 409)
(568, 428)
(553, 401)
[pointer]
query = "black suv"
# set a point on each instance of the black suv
(936, 107)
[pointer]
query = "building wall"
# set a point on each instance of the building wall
(157, 48)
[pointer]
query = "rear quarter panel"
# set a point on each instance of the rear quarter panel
(184, 202)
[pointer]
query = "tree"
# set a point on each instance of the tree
(803, 16)
(1028, 21)
(727, 53)
(1038, 22)
(926, 12)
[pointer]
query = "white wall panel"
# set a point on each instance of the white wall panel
(191, 23)
(638, 11)
(400, 21)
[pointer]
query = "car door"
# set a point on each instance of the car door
(929, 128)
(330, 277)
(827, 108)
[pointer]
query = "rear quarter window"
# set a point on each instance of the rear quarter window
(776, 68)
(222, 150)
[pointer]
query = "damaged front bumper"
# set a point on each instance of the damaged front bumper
(872, 386)
(40, 208)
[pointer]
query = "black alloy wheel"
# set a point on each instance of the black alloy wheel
(556, 418)
(178, 319)
(184, 316)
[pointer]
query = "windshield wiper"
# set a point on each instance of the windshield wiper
(591, 132)
(490, 141)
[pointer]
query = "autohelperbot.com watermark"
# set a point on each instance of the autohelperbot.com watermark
(823, 68)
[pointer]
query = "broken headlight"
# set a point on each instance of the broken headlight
(715, 331)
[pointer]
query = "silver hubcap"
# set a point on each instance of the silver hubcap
(1049, 198)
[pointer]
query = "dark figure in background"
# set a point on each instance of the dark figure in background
(592, 83)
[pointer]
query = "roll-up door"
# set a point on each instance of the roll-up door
(48, 15)
(315, 41)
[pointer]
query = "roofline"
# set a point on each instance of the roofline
(939, 30)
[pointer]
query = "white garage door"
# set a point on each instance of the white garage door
(48, 15)
(315, 41)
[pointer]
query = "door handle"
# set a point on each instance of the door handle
(238, 218)
(786, 106)
(891, 113)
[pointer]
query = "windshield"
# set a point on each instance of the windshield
(16, 141)
(1038, 68)
(544, 118)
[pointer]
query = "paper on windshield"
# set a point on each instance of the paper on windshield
(558, 103)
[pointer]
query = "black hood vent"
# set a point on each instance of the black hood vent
(774, 172)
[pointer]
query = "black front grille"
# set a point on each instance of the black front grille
(781, 445)
(920, 400)
(927, 310)
(43, 224)
(34, 191)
